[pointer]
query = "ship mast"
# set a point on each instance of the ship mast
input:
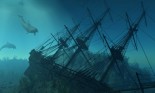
(82, 43)
(117, 51)
(63, 42)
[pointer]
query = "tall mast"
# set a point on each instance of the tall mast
(81, 43)
(63, 42)
(117, 51)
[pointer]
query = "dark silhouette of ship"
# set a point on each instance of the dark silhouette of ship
(71, 67)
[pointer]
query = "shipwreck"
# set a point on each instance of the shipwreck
(65, 64)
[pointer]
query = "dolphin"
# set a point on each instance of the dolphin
(8, 45)
(27, 26)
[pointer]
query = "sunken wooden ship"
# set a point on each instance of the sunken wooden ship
(65, 64)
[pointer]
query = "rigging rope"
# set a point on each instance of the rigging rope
(145, 55)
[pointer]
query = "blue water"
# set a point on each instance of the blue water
(50, 16)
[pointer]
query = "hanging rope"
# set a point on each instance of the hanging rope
(145, 55)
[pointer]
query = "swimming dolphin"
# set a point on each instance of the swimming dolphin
(27, 26)
(8, 45)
